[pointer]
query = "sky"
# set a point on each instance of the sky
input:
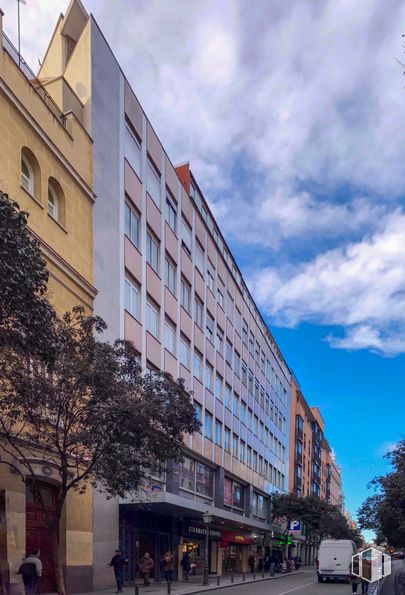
(292, 115)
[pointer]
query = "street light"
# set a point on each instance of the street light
(207, 518)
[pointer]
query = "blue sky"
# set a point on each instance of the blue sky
(292, 117)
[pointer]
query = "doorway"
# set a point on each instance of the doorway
(38, 535)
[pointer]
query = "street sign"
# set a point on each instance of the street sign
(295, 527)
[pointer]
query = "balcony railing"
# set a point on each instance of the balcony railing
(33, 79)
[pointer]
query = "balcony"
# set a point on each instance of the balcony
(31, 77)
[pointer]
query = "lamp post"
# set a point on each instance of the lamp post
(207, 518)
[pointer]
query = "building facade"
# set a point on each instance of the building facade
(46, 166)
(313, 470)
(168, 282)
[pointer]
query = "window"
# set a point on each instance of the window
(257, 353)
(208, 426)
(255, 426)
(170, 274)
(220, 340)
(210, 327)
(210, 280)
(220, 297)
(262, 431)
(198, 412)
(218, 387)
(233, 493)
(259, 505)
(228, 355)
(251, 344)
(235, 446)
(230, 305)
(244, 373)
(257, 390)
(236, 362)
(218, 432)
(132, 225)
(263, 363)
(227, 440)
(131, 297)
(152, 251)
(185, 351)
(152, 319)
(208, 376)
(227, 396)
(199, 258)
(185, 295)
(254, 460)
(186, 236)
(153, 183)
(171, 213)
(53, 202)
(235, 403)
(242, 448)
(238, 321)
(196, 477)
(243, 411)
(197, 365)
(250, 381)
(245, 333)
(249, 419)
(132, 149)
(198, 311)
(249, 456)
(170, 336)
(27, 175)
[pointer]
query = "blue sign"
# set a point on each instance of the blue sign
(295, 526)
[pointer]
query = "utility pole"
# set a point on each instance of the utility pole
(19, 29)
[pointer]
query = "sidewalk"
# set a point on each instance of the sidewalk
(194, 585)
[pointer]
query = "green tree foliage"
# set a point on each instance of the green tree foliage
(25, 314)
(384, 511)
(320, 518)
(89, 414)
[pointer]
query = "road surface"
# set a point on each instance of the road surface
(394, 584)
(294, 584)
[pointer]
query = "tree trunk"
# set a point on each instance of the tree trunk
(57, 560)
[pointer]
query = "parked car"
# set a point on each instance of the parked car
(398, 556)
(334, 559)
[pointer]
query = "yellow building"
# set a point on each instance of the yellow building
(46, 166)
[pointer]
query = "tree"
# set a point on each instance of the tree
(90, 414)
(25, 314)
(384, 511)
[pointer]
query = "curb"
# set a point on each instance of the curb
(238, 584)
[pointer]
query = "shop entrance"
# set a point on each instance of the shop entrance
(38, 535)
(232, 561)
(196, 549)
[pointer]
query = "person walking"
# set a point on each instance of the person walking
(252, 562)
(118, 563)
(355, 580)
(260, 562)
(364, 587)
(168, 566)
(31, 572)
(146, 564)
(186, 565)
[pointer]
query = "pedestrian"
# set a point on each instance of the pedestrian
(260, 562)
(267, 563)
(168, 565)
(31, 572)
(186, 565)
(364, 587)
(118, 562)
(146, 564)
(252, 562)
(355, 580)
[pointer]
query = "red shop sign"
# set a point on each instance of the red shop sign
(234, 537)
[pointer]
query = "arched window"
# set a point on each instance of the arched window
(53, 202)
(30, 173)
(27, 175)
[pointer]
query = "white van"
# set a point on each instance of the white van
(334, 559)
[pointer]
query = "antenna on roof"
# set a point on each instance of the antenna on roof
(19, 31)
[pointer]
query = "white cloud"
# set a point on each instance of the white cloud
(279, 106)
(360, 287)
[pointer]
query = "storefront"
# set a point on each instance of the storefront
(235, 547)
(193, 542)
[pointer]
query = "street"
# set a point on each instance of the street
(305, 583)
(395, 583)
